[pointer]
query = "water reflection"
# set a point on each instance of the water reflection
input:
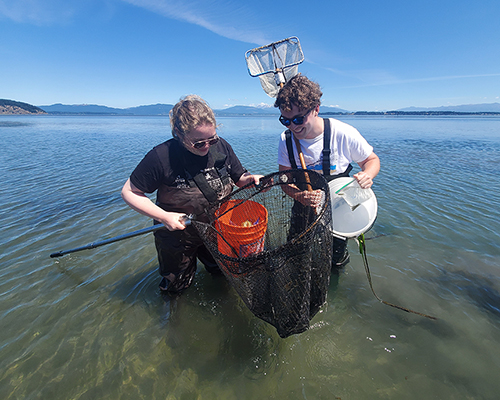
(14, 124)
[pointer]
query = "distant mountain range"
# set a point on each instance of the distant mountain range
(469, 108)
(92, 109)
(163, 109)
(270, 110)
(14, 107)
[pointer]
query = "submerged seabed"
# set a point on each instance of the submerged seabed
(94, 325)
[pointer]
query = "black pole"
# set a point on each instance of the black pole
(108, 241)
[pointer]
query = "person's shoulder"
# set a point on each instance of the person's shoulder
(165, 147)
(223, 145)
(342, 127)
(224, 148)
(283, 135)
(163, 153)
(166, 144)
(338, 123)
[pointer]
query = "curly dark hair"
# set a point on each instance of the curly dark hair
(301, 91)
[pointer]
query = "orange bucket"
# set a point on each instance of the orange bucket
(243, 228)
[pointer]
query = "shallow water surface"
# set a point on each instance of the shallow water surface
(93, 324)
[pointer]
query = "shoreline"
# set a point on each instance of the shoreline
(264, 115)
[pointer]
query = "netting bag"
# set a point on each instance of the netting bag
(275, 63)
(274, 251)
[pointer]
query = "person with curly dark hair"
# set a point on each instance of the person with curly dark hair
(328, 146)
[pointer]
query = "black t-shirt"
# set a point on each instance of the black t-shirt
(167, 163)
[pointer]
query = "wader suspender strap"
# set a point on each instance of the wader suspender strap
(346, 172)
(326, 152)
(289, 148)
(326, 148)
(202, 184)
(327, 134)
(201, 181)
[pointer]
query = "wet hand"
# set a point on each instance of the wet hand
(264, 185)
(248, 178)
(364, 180)
(310, 198)
(257, 178)
(174, 221)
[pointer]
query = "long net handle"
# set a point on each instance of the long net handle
(362, 250)
(302, 163)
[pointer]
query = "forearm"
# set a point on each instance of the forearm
(372, 167)
(139, 202)
(369, 170)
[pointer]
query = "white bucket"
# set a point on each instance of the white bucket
(350, 221)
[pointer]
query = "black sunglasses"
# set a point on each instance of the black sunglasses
(297, 120)
(201, 143)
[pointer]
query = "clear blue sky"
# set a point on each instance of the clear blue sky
(366, 55)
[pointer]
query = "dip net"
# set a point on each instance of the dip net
(275, 63)
(274, 251)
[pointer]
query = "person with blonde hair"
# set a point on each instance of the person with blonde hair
(188, 172)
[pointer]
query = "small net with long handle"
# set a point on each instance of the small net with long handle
(274, 251)
(275, 63)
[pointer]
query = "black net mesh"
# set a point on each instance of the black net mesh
(275, 252)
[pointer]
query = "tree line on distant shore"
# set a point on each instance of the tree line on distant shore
(416, 113)
(16, 107)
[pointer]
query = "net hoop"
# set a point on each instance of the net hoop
(292, 254)
(215, 216)
(269, 58)
(275, 63)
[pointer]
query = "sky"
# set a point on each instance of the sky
(366, 55)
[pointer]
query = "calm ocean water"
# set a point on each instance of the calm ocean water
(93, 325)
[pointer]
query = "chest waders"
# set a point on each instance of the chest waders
(200, 181)
(179, 250)
(327, 135)
(340, 255)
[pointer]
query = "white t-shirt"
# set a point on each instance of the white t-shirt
(346, 146)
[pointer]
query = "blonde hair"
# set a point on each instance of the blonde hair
(190, 112)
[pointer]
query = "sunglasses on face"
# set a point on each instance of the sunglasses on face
(297, 120)
(201, 143)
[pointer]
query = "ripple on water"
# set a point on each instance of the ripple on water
(93, 323)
